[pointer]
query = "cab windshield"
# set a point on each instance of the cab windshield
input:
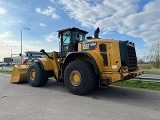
(76, 37)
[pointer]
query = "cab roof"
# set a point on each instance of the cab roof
(72, 29)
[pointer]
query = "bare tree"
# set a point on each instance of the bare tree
(154, 55)
(140, 61)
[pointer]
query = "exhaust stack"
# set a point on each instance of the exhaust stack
(96, 33)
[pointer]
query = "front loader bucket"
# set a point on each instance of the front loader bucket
(19, 73)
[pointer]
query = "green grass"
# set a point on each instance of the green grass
(138, 84)
(6, 72)
(150, 71)
(146, 66)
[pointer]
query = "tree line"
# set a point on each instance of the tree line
(153, 57)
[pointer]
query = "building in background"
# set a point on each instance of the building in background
(7, 60)
(32, 55)
(28, 56)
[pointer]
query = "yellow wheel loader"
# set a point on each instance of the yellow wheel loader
(81, 64)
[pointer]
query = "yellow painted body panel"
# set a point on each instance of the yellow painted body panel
(114, 61)
(19, 73)
(51, 64)
(98, 59)
(114, 70)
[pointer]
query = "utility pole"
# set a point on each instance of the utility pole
(21, 41)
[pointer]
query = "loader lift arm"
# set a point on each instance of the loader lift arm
(43, 51)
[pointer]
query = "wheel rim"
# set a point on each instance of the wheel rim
(33, 74)
(75, 78)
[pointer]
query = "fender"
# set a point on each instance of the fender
(86, 56)
(40, 63)
(47, 65)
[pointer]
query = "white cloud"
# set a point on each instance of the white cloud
(7, 39)
(3, 11)
(51, 37)
(50, 11)
(42, 24)
(53, 1)
(4, 36)
(91, 15)
(123, 17)
(146, 24)
(7, 42)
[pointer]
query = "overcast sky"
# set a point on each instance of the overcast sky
(134, 20)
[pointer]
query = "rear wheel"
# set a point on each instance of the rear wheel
(80, 78)
(36, 76)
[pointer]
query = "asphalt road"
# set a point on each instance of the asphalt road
(54, 102)
(148, 77)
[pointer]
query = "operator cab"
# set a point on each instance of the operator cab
(69, 39)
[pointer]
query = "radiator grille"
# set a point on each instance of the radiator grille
(132, 59)
(128, 54)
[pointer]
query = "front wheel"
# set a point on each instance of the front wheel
(36, 76)
(80, 78)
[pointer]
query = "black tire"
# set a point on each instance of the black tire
(40, 77)
(88, 77)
